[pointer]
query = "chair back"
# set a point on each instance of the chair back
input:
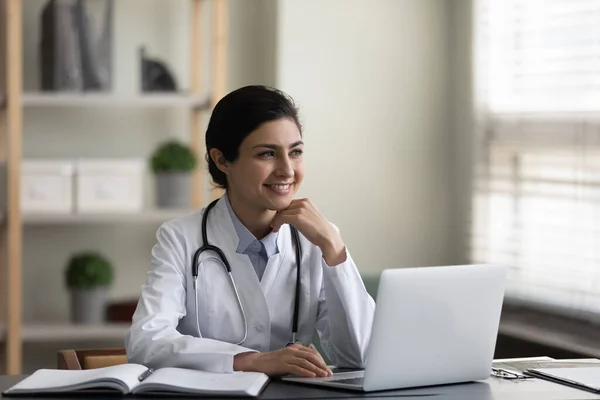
(91, 358)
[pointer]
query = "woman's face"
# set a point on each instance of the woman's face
(269, 169)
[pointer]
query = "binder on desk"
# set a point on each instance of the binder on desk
(585, 378)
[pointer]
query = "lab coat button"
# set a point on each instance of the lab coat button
(260, 327)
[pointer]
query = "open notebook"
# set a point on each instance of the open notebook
(136, 379)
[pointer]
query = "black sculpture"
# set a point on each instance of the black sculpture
(155, 75)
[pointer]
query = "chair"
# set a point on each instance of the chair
(91, 358)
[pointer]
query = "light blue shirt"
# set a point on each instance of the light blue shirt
(258, 251)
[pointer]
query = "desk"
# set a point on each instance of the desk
(490, 389)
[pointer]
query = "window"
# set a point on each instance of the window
(537, 187)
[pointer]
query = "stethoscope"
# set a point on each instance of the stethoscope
(206, 246)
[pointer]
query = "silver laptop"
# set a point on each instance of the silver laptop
(432, 326)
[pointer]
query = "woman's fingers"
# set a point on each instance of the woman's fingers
(296, 359)
(319, 362)
(308, 365)
(299, 371)
(313, 356)
(283, 217)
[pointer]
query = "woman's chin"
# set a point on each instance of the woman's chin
(280, 204)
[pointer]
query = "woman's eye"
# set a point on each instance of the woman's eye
(297, 153)
(267, 154)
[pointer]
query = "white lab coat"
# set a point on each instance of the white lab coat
(163, 333)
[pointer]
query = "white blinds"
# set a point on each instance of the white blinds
(542, 55)
(537, 188)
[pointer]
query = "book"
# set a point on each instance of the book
(582, 377)
(135, 379)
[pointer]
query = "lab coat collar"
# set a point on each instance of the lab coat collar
(240, 264)
(245, 237)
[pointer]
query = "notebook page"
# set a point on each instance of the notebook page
(586, 376)
(55, 380)
(193, 381)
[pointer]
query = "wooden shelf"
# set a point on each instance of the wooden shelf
(83, 100)
(15, 102)
(60, 332)
(149, 216)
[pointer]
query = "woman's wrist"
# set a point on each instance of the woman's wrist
(244, 361)
(334, 251)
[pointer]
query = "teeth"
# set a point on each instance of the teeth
(280, 187)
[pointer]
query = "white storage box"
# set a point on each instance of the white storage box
(47, 186)
(110, 185)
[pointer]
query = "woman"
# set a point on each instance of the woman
(217, 323)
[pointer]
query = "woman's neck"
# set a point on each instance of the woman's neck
(255, 220)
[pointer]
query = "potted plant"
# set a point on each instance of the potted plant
(88, 276)
(173, 163)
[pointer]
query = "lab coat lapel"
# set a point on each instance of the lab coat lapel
(274, 266)
(249, 288)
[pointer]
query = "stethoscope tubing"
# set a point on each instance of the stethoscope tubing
(208, 247)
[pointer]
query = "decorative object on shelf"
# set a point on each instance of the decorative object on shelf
(173, 163)
(88, 277)
(95, 54)
(155, 75)
(72, 57)
(47, 186)
(110, 185)
(60, 65)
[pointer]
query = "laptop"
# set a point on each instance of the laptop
(432, 326)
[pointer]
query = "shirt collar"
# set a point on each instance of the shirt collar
(246, 238)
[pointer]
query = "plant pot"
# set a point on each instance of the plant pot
(88, 305)
(173, 189)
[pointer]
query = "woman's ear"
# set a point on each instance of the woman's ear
(217, 156)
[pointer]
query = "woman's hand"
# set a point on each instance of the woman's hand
(296, 359)
(304, 216)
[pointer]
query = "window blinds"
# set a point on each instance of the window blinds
(537, 189)
(542, 55)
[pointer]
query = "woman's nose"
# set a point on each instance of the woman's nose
(284, 167)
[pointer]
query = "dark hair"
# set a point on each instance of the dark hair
(237, 115)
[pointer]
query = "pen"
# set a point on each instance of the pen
(145, 374)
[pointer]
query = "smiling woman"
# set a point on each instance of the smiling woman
(265, 175)
(194, 315)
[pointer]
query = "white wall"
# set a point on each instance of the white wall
(461, 102)
(371, 78)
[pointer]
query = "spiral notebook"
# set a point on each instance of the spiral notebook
(135, 379)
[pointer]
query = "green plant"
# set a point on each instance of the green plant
(173, 156)
(88, 269)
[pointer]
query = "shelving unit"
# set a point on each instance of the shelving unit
(147, 216)
(61, 332)
(109, 100)
(13, 332)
